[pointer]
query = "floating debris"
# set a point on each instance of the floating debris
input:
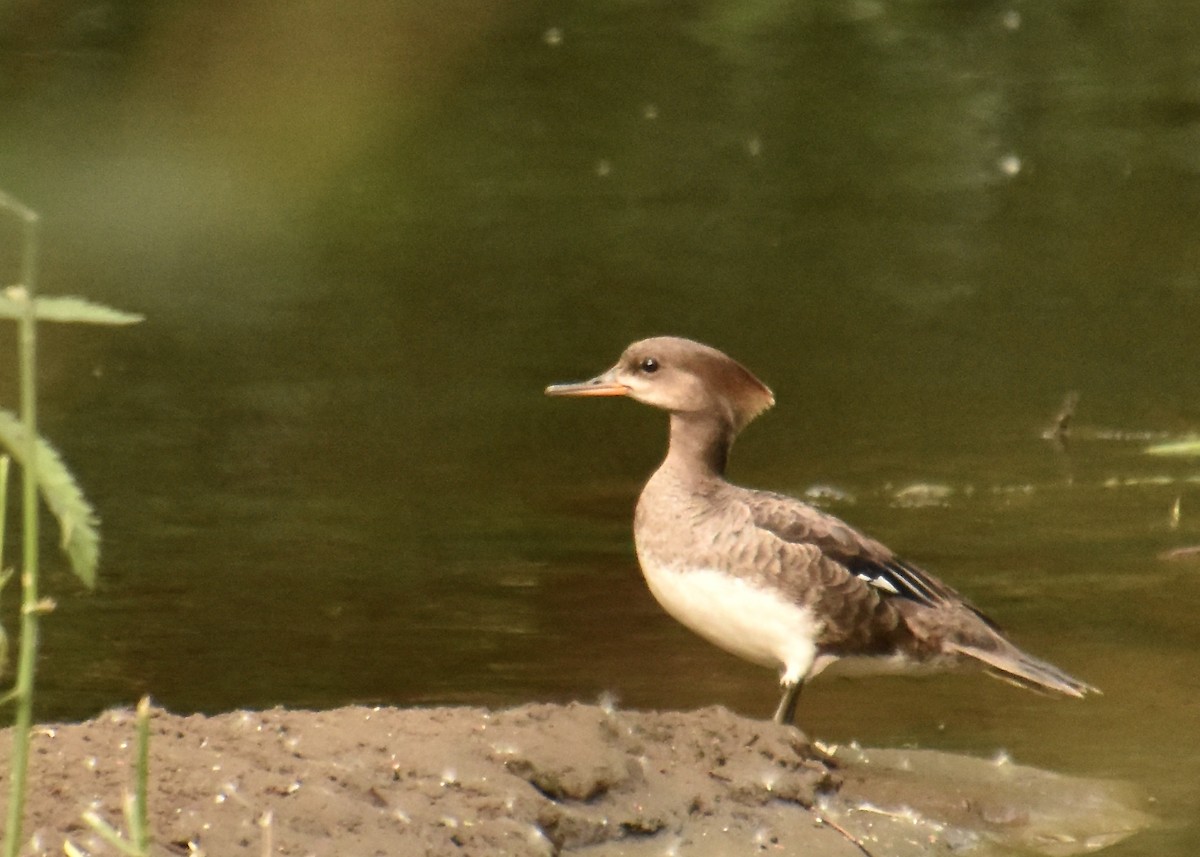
(1121, 435)
(1187, 447)
(1059, 430)
(1009, 165)
(1138, 481)
(922, 495)
(1191, 552)
(821, 494)
(1025, 488)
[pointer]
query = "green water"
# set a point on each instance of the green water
(365, 242)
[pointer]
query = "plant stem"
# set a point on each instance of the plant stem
(139, 827)
(5, 574)
(30, 608)
(4, 462)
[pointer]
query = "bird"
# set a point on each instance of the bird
(768, 577)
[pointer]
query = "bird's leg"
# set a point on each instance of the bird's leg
(786, 712)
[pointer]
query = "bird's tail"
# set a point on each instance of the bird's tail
(1005, 661)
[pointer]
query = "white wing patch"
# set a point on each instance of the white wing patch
(879, 582)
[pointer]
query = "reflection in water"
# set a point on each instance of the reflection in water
(364, 243)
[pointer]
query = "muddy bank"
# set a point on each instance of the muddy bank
(544, 780)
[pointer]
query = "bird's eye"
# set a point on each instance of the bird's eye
(649, 365)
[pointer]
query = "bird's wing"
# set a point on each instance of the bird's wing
(870, 561)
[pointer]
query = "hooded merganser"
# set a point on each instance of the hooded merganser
(770, 578)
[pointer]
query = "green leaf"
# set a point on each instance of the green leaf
(77, 519)
(66, 309)
(1191, 446)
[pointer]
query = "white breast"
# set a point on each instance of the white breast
(749, 621)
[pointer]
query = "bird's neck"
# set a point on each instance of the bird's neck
(700, 445)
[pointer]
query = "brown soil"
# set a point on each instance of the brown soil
(543, 780)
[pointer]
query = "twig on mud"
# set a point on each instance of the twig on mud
(265, 821)
(846, 834)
